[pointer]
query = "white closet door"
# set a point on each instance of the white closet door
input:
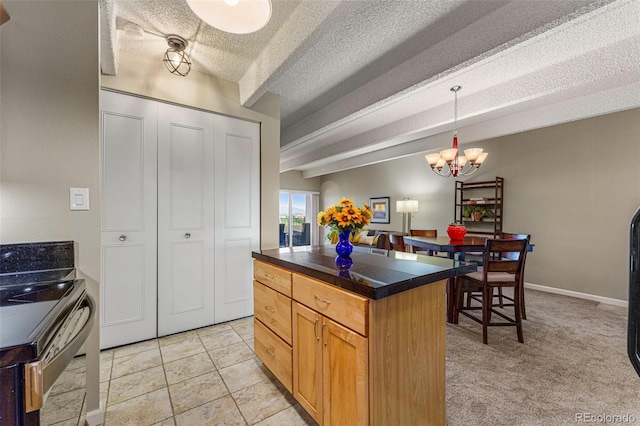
(185, 219)
(237, 233)
(128, 238)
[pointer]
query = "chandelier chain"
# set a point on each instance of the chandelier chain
(455, 113)
(455, 89)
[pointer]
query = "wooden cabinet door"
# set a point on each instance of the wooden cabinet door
(307, 360)
(345, 372)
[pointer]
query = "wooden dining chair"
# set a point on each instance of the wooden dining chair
(397, 242)
(500, 295)
(422, 233)
(502, 266)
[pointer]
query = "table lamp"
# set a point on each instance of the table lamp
(406, 206)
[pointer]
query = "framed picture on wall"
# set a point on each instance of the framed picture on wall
(380, 207)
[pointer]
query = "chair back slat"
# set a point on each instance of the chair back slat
(504, 255)
(509, 266)
(424, 232)
(510, 236)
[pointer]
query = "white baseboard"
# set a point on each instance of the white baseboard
(587, 296)
(95, 417)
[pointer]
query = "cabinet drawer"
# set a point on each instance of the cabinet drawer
(274, 352)
(347, 308)
(273, 309)
(277, 278)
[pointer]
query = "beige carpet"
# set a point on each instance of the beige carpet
(573, 366)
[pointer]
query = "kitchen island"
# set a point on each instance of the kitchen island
(358, 342)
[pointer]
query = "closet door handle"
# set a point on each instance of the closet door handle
(122, 238)
(187, 235)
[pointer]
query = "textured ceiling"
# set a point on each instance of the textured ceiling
(364, 81)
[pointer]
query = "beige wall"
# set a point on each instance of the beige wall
(49, 135)
(150, 78)
(293, 180)
(563, 186)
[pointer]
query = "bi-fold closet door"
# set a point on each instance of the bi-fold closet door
(128, 282)
(207, 219)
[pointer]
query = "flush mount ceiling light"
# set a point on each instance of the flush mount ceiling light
(233, 16)
(175, 58)
(474, 157)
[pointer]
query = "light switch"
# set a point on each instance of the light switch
(79, 198)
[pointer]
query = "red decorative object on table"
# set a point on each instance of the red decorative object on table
(456, 232)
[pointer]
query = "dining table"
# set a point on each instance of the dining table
(433, 245)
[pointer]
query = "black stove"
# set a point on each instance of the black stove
(34, 292)
(45, 316)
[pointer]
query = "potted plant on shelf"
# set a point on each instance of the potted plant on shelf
(476, 213)
(456, 231)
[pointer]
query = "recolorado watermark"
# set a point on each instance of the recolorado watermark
(604, 418)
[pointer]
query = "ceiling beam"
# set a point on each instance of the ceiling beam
(299, 33)
(558, 64)
(108, 38)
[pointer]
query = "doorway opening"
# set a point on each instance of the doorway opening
(298, 212)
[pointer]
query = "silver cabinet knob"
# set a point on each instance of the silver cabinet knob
(187, 235)
(122, 237)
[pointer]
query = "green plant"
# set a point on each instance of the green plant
(468, 210)
(332, 235)
(456, 224)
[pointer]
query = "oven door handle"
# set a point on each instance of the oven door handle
(33, 390)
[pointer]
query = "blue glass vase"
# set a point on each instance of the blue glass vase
(344, 263)
(344, 247)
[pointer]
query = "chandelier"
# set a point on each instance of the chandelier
(457, 165)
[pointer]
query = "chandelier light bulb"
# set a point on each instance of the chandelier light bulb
(175, 58)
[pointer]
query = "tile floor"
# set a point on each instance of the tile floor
(200, 377)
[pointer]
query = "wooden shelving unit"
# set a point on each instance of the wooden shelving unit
(489, 194)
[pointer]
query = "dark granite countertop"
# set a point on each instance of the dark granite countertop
(372, 276)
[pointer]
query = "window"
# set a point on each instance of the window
(298, 211)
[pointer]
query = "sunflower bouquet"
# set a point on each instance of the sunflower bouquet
(345, 216)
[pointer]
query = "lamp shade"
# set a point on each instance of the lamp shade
(4, 15)
(233, 16)
(406, 206)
